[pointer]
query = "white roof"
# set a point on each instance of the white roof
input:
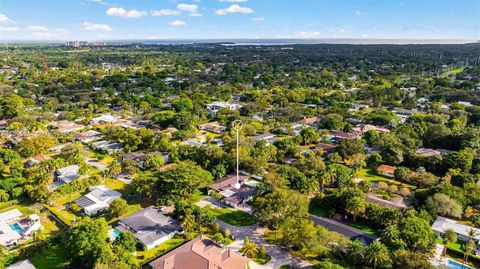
(227, 193)
(7, 235)
(442, 224)
(9, 215)
(105, 118)
(25, 264)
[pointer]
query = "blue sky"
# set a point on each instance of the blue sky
(203, 19)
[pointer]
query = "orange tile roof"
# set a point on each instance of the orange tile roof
(200, 253)
(387, 168)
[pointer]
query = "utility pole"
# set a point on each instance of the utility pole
(237, 125)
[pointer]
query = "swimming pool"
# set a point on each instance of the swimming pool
(17, 228)
(456, 265)
(114, 234)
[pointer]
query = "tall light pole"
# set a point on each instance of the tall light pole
(237, 125)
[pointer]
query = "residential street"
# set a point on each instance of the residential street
(255, 234)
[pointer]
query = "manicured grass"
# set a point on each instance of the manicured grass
(55, 257)
(361, 226)
(371, 176)
(147, 256)
(117, 185)
(233, 217)
(196, 197)
(59, 210)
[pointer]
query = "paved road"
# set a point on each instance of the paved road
(255, 234)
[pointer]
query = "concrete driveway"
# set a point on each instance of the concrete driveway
(95, 164)
(255, 234)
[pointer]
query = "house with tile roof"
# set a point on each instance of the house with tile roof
(200, 253)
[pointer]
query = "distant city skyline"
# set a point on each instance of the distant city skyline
(38, 20)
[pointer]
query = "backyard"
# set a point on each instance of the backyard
(371, 175)
(55, 257)
(230, 216)
(147, 256)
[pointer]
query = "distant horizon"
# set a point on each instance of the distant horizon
(262, 41)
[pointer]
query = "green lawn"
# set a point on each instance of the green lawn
(262, 261)
(196, 197)
(361, 226)
(53, 258)
(231, 216)
(147, 256)
(58, 208)
(371, 176)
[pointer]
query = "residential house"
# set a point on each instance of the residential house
(234, 193)
(343, 229)
(396, 202)
(25, 264)
(14, 228)
(216, 106)
(36, 160)
(67, 126)
(268, 138)
(339, 135)
(386, 170)
(213, 127)
(67, 174)
(403, 114)
(328, 148)
(363, 128)
(200, 253)
(107, 146)
(88, 136)
(150, 226)
(99, 198)
(311, 121)
(106, 118)
(426, 152)
(442, 224)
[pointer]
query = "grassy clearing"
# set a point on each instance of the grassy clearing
(317, 211)
(364, 227)
(197, 196)
(371, 176)
(233, 217)
(58, 208)
(147, 256)
(56, 257)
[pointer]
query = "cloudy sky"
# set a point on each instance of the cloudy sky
(203, 19)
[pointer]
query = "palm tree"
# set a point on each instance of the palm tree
(448, 237)
(355, 252)
(188, 223)
(377, 254)
(470, 245)
(4, 196)
(355, 206)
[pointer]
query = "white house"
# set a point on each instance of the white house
(99, 198)
(215, 106)
(106, 118)
(442, 224)
(67, 174)
(150, 226)
(13, 228)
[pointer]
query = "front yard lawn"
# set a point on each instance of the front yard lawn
(56, 257)
(147, 256)
(233, 217)
(371, 176)
(364, 227)
(317, 211)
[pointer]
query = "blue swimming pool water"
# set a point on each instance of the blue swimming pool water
(115, 233)
(58, 183)
(456, 265)
(17, 228)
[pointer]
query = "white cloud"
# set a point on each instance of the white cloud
(359, 13)
(128, 14)
(96, 27)
(234, 9)
(166, 12)
(42, 32)
(4, 19)
(37, 28)
(98, 1)
(258, 19)
(190, 8)
(306, 34)
(4, 29)
(176, 23)
(233, 1)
